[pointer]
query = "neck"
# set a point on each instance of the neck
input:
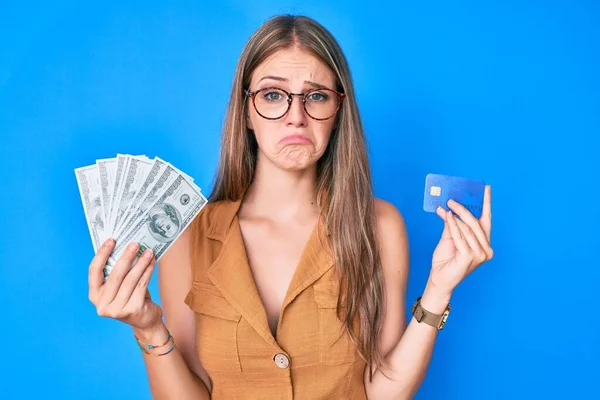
(281, 194)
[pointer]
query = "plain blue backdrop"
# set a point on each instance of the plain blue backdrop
(506, 91)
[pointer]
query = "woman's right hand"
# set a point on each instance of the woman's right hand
(125, 294)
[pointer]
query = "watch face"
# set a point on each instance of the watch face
(444, 318)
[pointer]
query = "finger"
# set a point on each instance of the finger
(95, 274)
(140, 293)
(123, 265)
(461, 211)
(473, 223)
(477, 250)
(132, 278)
(457, 237)
(442, 214)
(486, 213)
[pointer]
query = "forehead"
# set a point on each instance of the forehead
(296, 66)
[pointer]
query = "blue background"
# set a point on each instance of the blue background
(506, 91)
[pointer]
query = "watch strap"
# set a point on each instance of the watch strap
(436, 320)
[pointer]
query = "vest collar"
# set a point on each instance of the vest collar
(232, 275)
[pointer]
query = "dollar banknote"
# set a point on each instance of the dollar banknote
(135, 174)
(90, 190)
(133, 198)
(106, 168)
(158, 166)
(167, 175)
(122, 162)
(163, 221)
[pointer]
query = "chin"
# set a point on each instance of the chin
(295, 165)
(294, 159)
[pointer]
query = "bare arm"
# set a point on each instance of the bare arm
(178, 374)
(464, 245)
(407, 350)
(169, 376)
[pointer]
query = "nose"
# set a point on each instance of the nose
(296, 115)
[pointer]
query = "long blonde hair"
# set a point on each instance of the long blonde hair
(343, 175)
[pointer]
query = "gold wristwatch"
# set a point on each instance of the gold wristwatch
(435, 320)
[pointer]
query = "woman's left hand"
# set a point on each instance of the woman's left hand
(464, 245)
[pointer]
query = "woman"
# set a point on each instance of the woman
(291, 282)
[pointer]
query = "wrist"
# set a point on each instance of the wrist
(155, 334)
(435, 301)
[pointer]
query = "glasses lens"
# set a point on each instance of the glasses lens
(322, 103)
(271, 103)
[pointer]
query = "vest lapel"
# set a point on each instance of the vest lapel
(231, 272)
(314, 262)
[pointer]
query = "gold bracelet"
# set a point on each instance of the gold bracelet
(145, 346)
(162, 354)
(150, 346)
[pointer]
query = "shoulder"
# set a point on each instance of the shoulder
(212, 212)
(389, 219)
(192, 243)
(207, 215)
(196, 228)
(392, 238)
(214, 220)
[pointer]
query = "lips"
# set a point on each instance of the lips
(296, 139)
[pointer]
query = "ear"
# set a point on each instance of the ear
(249, 121)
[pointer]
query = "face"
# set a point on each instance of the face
(165, 225)
(295, 141)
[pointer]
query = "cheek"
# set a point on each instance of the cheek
(322, 134)
(265, 133)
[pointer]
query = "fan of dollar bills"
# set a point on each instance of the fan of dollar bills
(137, 199)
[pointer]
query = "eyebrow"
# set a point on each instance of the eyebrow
(281, 79)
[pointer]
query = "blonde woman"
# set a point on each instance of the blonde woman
(291, 282)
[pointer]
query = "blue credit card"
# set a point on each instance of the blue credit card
(441, 188)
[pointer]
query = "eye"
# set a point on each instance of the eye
(273, 95)
(317, 96)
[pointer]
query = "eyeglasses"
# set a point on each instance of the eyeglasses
(273, 103)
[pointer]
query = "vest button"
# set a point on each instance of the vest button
(281, 360)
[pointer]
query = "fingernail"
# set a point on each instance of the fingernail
(108, 242)
(148, 253)
(132, 246)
